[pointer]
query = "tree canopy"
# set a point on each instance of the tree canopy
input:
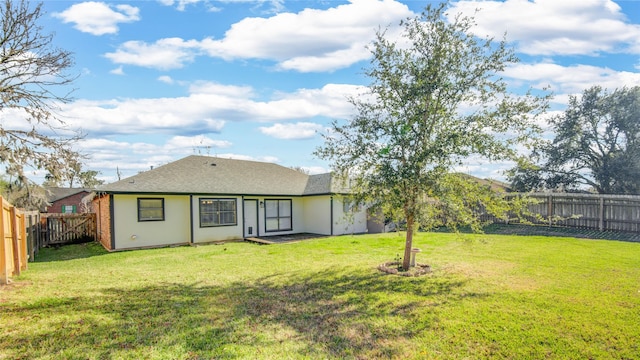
(435, 99)
(25, 195)
(596, 146)
(34, 82)
(75, 177)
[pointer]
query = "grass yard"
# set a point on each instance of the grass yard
(489, 296)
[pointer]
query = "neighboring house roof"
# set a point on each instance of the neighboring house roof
(211, 175)
(495, 185)
(59, 193)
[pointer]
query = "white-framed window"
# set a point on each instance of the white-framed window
(218, 212)
(278, 215)
(150, 209)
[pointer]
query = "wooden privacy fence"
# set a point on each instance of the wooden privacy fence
(59, 229)
(588, 211)
(13, 247)
(35, 240)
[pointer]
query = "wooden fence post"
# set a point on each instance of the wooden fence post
(4, 274)
(550, 209)
(30, 237)
(24, 254)
(34, 236)
(601, 223)
(14, 241)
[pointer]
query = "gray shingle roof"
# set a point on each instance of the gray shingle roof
(210, 175)
(325, 184)
(58, 193)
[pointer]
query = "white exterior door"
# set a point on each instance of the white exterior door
(250, 217)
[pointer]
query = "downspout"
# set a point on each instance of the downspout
(331, 215)
(191, 218)
(244, 236)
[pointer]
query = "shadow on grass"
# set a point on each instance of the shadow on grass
(70, 252)
(346, 315)
(545, 230)
(331, 314)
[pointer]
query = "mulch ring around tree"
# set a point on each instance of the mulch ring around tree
(395, 268)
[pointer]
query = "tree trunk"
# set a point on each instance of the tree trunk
(408, 245)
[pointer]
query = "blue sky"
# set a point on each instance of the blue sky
(258, 80)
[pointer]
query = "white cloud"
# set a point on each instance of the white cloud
(101, 144)
(164, 54)
(165, 79)
(206, 110)
(208, 87)
(107, 155)
(164, 115)
(271, 159)
(330, 101)
(185, 121)
(548, 27)
(313, 170)
(117, 71)
(14, 119)
(311, 40)
(181, 5)
(98, 18)
(17, 119)
(328, 61)
(195, 142)
(323, 36)
(297, 131)
(269, 6)
(564, 80)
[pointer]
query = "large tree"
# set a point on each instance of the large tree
(596, 146)
(34, 82)
(76, 177)
(436, 98)
(26, 195)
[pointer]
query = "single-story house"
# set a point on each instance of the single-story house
(202, 199)
(67, 200)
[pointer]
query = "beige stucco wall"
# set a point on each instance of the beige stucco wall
(131, 233)
(317, 214)
(216, 233)
(350, 223)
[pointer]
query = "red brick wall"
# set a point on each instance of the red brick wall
(56, 206)
(101, 206)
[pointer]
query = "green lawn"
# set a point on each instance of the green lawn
(489, 296)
